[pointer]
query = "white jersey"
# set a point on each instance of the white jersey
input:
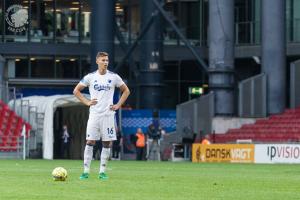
(102, 88)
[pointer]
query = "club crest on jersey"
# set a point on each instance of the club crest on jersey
(101, 87)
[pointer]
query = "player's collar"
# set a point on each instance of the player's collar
(102, 74)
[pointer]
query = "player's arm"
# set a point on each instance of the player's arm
(77, 92)
(125, 93)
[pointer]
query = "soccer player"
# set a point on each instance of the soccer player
(101, 123)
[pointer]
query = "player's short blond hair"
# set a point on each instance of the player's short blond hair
(101, 54)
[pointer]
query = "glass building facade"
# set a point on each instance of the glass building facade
(53, 42)
(68, 21)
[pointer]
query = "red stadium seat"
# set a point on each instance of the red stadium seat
(281, 128)
(11, 126)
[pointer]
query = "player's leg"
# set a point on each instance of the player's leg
(118, 150)
(138, 153)
(149, 148)
(143, 153)
(104, 159)
(92, 134)
(87, 158)
(113, 151)
(95, 148)
(108, 134)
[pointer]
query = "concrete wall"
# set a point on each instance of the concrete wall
(222, 124)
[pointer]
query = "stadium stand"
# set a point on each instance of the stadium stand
(11, 126)
(279, 128)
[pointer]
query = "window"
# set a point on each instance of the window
(67, 67)
(85, 67)
(20, 64)
(42, 21)
(85, 21)
(2, 16)
(67, 21)
(42, 67)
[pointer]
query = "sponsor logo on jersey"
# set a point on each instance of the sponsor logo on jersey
(101, 87)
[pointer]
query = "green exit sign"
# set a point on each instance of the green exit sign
(195, 90)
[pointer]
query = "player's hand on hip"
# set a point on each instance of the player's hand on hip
(92, 102)
(115, 107)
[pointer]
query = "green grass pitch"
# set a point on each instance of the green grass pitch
(130, 180)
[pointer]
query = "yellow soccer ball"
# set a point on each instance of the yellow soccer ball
(59, 174)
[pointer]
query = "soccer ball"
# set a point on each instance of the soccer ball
(59, 174)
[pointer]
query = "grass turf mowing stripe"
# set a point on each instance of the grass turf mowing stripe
(31, 179)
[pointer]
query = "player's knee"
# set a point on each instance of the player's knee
(107, 144)
(91, 142)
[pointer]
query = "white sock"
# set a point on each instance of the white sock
(105, 153)
(88, 155)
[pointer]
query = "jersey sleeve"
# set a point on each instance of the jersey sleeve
(86, 80)
(119, 81)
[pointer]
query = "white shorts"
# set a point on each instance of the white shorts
(101, 127)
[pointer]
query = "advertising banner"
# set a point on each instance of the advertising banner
(167, 120)
(134, 119)
(234, 153)
(277, 153)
